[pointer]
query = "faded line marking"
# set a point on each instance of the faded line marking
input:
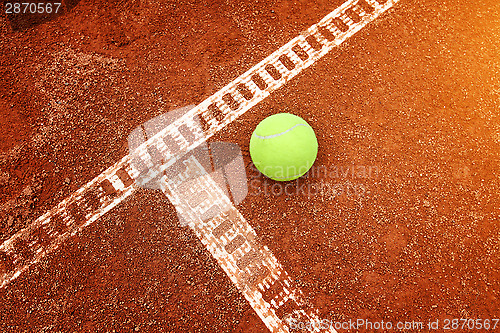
(251, 266)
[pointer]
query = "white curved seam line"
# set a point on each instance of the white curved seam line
(278, 134)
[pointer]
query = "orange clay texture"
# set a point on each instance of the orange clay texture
(401, 220)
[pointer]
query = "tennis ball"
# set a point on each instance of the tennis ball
(283, 147)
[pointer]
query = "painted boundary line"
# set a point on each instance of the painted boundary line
(115, 184)
(234, 244)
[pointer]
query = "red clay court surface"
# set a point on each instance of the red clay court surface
(414, 95)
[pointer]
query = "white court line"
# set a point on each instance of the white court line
(111, 187)
(234, 244)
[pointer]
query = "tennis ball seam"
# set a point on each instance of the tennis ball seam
(278, 134)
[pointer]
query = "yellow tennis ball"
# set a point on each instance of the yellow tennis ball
(283, 147)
